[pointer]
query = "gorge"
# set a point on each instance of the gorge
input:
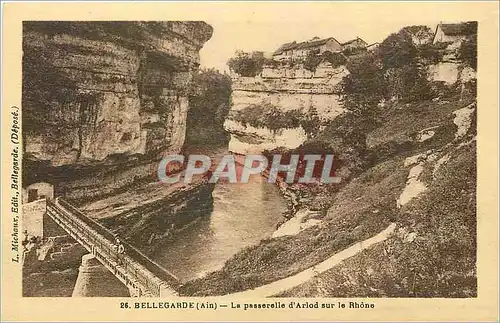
(104, 102)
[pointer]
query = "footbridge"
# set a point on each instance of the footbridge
(239, 160)
(142, 276)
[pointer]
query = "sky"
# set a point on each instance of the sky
(265, 28)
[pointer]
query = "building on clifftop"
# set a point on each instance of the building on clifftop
(296, 50)
(353, 44)
(454, 32)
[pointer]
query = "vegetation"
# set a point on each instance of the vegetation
(354, 51)
(439, 262)
(252, 64)
(468, 52)
(313, 59)
(432, 53)
(249, 64)
(397, 50)
(395, 71)
(209, 103)
(420, 34)
(365, 86)
(271, 117)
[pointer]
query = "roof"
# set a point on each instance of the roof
(353, 40)
(285, 47)
(315, 43)
(460, 29)
(374, 45)
(303, 45)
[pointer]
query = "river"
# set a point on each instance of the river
(243, 214)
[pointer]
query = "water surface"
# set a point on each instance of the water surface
(243, 214)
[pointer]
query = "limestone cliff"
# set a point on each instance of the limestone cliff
(103, 97)
(450, 69)
(288, 89)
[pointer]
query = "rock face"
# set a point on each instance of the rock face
(102, 94)
(248, 140)
(450, 69)
(450, 73)
(287, 89)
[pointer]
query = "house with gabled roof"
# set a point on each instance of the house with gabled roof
(355, 43)
(302, 49)
(454, 32)
(372, 46)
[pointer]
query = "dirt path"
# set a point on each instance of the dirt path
(297, 279)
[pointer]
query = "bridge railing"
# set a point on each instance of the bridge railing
(133, 252)
(136, 267)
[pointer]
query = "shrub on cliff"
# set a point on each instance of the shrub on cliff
(431, 53)
(336, 59)
(310, 122)
(408, 83)
(249, 64)
(314, 58)
(271, 117)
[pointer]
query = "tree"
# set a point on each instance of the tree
(247, 64)
(397, 50)
(362, 90)
(209, 104)
(420, 34)
(468, 52)
(365, 86)
(336, 59)
(312, 60)
(404, 70)
(431, 53)
(408, 83)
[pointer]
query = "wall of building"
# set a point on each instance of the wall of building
(32, 217)
(358, 43)
(441, 37)
(331, 46)
(44, 190)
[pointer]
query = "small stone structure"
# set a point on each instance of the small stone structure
(38, 191)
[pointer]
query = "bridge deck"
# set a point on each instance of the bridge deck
(239, 159)
(142, 275)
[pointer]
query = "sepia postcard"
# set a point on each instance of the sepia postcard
(250, 161)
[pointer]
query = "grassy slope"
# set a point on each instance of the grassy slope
(439, 262)
(361, 209)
